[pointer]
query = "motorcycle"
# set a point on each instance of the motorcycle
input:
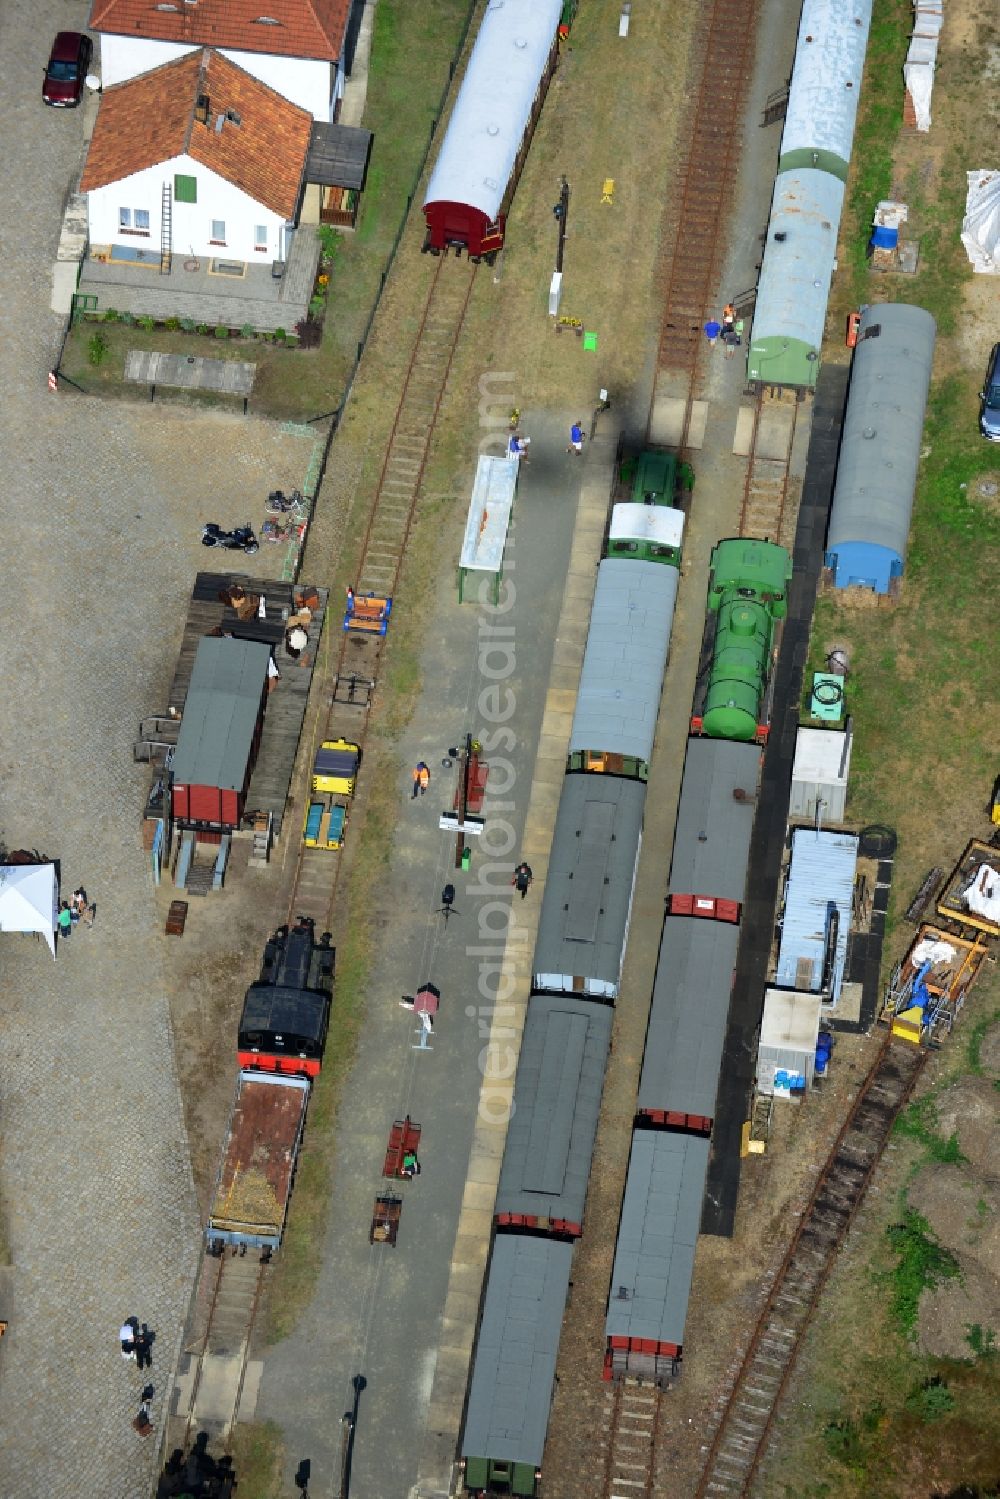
(240, 539)
(279, 503)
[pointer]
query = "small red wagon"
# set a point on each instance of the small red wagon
(404, 1138)
(385, 1219)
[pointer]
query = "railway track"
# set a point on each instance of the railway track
(351, 681)
(214, 1398)
(765, 512)
(741, 1437)
(631, 1414)
(698, 206)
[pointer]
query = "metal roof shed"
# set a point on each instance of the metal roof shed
(627, 648)
(515, 1359)
(820, 882)
(715, 819)
(820, 774)
(657, 1236)
(880, 446)
(687, 1019)
(786, 1053)
(220, 729)
(550, 1137)
(588, 887)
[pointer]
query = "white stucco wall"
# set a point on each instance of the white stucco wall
(312, 85)
(191, 222)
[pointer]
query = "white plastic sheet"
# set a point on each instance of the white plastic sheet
(981, 225)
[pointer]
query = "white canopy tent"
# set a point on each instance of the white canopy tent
(981, 225)
(29, 900)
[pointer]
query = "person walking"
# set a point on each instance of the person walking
(522, 878)
(144, 1348)
(65, 920)
(728, 317)
(421, 779)
(712, 330)
(576, 437)
(126, 1338)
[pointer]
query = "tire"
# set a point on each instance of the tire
(210, 541)
(251, 547)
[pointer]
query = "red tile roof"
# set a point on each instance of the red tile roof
(304, 28)
(151, 119)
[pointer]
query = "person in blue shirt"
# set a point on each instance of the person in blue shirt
(576, 438)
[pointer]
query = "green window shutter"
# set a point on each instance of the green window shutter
(186, 189)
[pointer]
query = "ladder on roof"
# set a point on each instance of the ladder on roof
(166, 234)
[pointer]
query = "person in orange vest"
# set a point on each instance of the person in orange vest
(421, 779)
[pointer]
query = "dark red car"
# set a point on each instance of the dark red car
(69, 61)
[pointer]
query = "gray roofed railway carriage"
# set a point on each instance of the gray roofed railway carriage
(514, 1365)
(687, 1023)
(622, 677)
(484, 147)
(715, 819)
(550, 1137)
(654, 1256)
(588, 888)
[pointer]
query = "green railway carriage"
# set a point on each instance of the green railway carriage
(748, 588)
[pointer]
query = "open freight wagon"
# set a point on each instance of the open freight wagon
(258, 1163)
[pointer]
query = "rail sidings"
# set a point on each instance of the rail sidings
(741, 1437)
(383, 546)
(708, 168)
(631, 1417)
(766, 512)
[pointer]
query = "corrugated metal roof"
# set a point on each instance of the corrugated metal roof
(794, 281)
(627, 647)
(712, 837)
(826, 81)
(647, 522)
(883, 428)
(654, 1256)
(515, 1360)
(557, 1099)
(687, 1019)
(220, 713)
(588, 888)
(494, 104)
(821, 871)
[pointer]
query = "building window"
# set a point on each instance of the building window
(260, 238)
(186, 189)
(134, 221)
(218, 232)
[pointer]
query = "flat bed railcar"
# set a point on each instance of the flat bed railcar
(971, 898)
(258, 1163)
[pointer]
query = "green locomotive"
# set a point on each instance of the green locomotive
(748, 595)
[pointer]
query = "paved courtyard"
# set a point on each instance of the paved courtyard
(101, 509)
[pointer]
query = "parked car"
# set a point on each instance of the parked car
(67, 68)
(989, 411)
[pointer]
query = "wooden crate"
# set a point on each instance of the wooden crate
(176, 917)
